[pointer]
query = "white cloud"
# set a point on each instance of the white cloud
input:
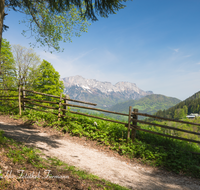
(187, 56)
(176, 50)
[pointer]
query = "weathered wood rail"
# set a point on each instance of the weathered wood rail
(132, 124)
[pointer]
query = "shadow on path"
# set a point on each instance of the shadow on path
(28, 134)
(96, 162)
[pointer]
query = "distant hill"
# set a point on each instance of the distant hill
(192, 103)
(148, 104)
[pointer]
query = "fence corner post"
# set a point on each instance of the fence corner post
(129, 123)
(23, 96)
(20, 100)
(133, 132)
(66, 102)
(59, 109)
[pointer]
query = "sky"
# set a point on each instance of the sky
(152, 43)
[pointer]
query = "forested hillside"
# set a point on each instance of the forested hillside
(148, 104)
(190, 105)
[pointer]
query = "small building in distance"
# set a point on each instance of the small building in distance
(193, 115)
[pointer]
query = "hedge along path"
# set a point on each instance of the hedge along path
(133, 176)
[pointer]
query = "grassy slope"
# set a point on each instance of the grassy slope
(148, 104)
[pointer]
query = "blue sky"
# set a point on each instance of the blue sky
(153, 43)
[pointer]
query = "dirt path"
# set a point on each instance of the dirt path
(133, 176)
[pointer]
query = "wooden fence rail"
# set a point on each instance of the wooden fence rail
(95, 109)
(167, 119)
(77, 106)
(59, 97)
(40, 110)
(8, 99)
(9, 96)
(78, 113)
(35, 100)
(166, 127)
(131, 125)
(164, 135)
(9, 89)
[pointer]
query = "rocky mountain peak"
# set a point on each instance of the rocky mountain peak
(104, 87)
(80, 88)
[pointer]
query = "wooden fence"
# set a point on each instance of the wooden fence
(62, 107)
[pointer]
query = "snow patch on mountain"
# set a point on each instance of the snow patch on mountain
(104, 93)
(104, 87)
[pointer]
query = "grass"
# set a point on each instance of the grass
(173, 155)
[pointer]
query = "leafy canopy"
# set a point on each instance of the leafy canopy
(48, 81)
(92, 8)
(49, 28)
(52, 21)
(26, 63)
(7, 79)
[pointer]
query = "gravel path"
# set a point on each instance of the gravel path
(133, 176)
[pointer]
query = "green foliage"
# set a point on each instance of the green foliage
(48, 80)
(26, 63)
(102, 9)
(148, 104)
(7, 78)
(7, 65)
(50, 28)
(20, 153)
(185, 108)
(179, 113)
(190, 105)
(175, 154)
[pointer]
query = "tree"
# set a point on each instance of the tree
(49, 28)
(41, 10)
(179, 113)
(8, 66)
(7, 79)
(26, 66)
(185, 108)
(48, 81)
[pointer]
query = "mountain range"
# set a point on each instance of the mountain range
(105, 94)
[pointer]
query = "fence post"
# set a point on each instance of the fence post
(65, 101)
(133, 132)
(59, 106)
(20, 100)
(23, 96)
(129, 123)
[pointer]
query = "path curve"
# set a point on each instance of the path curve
(133, 176)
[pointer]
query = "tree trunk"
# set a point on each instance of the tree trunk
(2, 5)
